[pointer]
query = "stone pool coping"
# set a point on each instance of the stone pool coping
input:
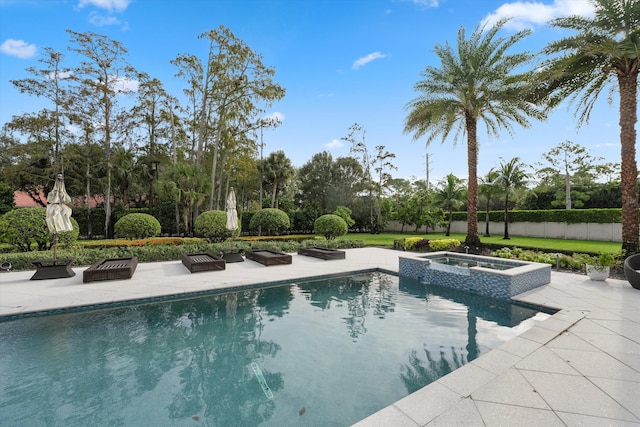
(580, 366)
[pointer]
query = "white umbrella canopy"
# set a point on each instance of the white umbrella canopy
(58, 216)
(232, 213)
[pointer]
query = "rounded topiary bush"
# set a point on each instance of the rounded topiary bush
(23, 226)
(137, 226)
(330, 226)
(270, 220)
(212, 225)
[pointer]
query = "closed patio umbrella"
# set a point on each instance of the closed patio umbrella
(232, 213)
(58, 216)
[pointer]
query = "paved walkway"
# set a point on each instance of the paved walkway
(578, 367)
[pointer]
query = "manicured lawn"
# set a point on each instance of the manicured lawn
(549, 245)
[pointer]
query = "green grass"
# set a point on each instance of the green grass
(550, 245)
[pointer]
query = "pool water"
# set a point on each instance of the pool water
(321, 353)
(463, 262)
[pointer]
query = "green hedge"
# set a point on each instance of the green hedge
(152, 253)
(97, 221)
(570, 216)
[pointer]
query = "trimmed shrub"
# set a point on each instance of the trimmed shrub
(444, 244)
(411, 243)
(137, 226)
(23, 226)
(330, 226)
(212, 225)
(270, 220)
(419, 244)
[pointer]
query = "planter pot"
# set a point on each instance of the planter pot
(597, 273)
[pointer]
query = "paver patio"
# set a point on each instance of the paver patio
(579, 367)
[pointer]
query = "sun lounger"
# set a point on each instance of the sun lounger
(267, 258)
(322, 253)
(203, 262)
(110, 269)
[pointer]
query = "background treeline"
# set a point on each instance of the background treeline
(122, 141)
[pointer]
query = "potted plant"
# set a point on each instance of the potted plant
(599, 270)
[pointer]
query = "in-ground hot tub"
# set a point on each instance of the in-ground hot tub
(495, 277)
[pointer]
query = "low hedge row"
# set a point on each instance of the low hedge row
(164, 252)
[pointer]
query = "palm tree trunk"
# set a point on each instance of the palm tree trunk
(506, 218)
(472, 240)
(628, 85)
(486, 220)
(274, 195)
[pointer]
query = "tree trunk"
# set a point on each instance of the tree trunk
(274, 195)
(486, 221)
(214, 163)
(219, 193)
(472, 240)
(567, 189)
(448, 233)
(506, 217)
(203, 115)
(88, 190)
(629, 169)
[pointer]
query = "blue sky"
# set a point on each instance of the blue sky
(340, 61)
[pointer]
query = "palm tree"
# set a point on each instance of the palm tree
(475, 82)
(605, 49)
(278, 170)
(488, 190)
(450, 195)
(511, 177)
(191, 186)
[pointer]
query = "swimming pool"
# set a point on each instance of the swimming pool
(330, 352)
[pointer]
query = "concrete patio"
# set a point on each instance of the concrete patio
(579, 367)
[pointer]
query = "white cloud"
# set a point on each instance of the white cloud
(366, 59)
(525, 14)
(423, 3)
(274, 119)
(110, 5)
(18, 48)
(335, 143)
(74, 129)
(101, 21)
(62, 75)
(124, 85)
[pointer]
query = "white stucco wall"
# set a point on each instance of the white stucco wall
(555, 230)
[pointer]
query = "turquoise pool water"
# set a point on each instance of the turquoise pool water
(318, 353)
(465, 262)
